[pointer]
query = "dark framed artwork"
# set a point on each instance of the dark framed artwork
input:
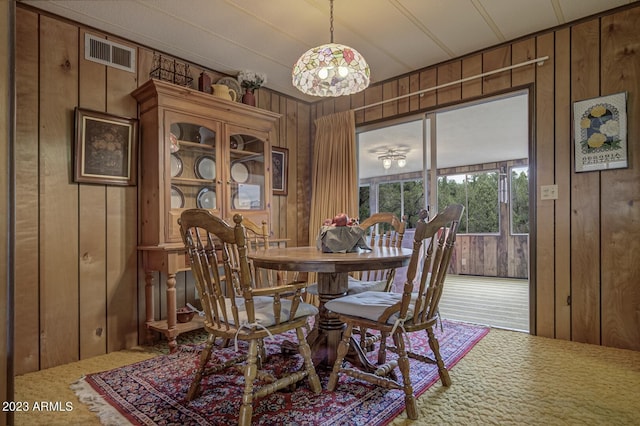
(106, 148)
(280, 170)
(600, 133)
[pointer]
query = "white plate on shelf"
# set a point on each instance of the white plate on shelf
(206, 167)
(237, 142)
(241, 201)
(239, 172)
(207, 136)
(176, 130)
(206, 199)
(177, 198)
(176, 165)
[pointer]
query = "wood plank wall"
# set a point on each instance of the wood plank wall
(79, 290)
(586, 272)
(6, 383)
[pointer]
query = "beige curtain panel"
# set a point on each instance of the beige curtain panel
(334, 178)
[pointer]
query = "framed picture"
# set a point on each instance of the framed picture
(106, 148)
(600, 133)
(280, 171)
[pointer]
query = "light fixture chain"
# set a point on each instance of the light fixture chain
(331, 20)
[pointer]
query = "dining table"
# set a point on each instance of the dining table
(332, 277)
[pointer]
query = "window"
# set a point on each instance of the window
(402, 198)
(478, 193)
(519, 184)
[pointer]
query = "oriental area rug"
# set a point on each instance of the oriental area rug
(153, 392)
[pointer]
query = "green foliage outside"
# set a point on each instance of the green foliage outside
(519, 200)
(478, 192)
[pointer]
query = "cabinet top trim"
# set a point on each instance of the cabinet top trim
(172, 95)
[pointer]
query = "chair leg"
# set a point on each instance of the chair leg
(204, 359)
(250, 372)
(305, 351)
(403, 364)
(343, 348)
(382, 349)
(435, 347)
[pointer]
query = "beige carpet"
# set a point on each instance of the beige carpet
(507, 378)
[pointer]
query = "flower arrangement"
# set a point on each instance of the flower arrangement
(251, 80)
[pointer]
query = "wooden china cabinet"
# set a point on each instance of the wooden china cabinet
(196, 151)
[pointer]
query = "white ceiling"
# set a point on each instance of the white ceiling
(268, 36)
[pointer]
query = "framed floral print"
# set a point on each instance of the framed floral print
(105, 148)
(600, 133)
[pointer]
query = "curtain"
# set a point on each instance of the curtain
(334, 178)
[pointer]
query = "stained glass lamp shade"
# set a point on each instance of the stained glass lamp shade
(331, 70)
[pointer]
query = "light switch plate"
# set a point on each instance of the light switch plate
(549, 192)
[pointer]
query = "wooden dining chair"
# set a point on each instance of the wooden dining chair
(399, 314)
(384, 230)
(237, 310)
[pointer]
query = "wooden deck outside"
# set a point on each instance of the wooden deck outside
(497, 302)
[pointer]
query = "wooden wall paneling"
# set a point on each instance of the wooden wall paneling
(290, 202)
(620, 221)
(585, 196)
(477, 254)
(390, 91)
(356, 100)
(448, 73)
(145, 62)
(465, 249)
(122, 221)
(342, 103)
(59, 299)
(563, 162)
(7, 362)
(403, 89)
(490, 257)
(493, 60)
(372, 95)
(523, 51)
(428, 80)
(472, 66)
(544, 175)
(92, 223)
(414, 86)
(26, 273)
(303, 170)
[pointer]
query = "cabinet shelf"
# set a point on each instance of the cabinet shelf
(192, 181)
(196, 145)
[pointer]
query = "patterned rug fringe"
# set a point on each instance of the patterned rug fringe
(108, 414)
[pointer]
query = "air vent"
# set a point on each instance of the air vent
(109, 53)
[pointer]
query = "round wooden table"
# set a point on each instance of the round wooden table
(333, 270)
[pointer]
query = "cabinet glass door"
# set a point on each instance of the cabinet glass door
(247, 172)
(192, 151)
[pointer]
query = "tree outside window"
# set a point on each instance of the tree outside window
(520, 200)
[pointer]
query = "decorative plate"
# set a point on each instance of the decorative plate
(206, 198)
(176, 130)
(206, 167)
(207, 136)
(239, 172)
(237, 142)
(232, 84)
(176, 165)
(241, 201)
(177, 198)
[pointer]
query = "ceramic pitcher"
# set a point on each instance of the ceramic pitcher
(222, 91)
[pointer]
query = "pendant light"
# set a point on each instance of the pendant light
(331, 70)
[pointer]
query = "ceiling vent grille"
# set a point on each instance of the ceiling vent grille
(109, 53)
